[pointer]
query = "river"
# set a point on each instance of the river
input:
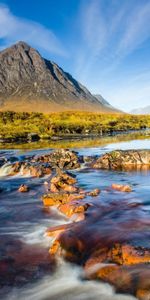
(26, 272)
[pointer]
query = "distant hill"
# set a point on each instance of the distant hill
(141, 111)
(29, 82)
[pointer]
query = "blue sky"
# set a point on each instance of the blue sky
(105, 44)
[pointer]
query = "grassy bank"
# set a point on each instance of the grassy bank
(18, 125)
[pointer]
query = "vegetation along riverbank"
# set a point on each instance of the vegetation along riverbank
(29, 126)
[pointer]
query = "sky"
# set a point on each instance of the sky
(104, 44)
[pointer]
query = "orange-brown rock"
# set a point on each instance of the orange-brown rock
(117, 276)
(23, 188)
(121, 188)
(54, 248)
(55, 199)
(123, 160)
(53, 188)
(62, 158)
(143, 294)
(99, 256)
(94, 193)
(64, 182)
(129, 255)
(57, 230)
(73, 247)
(70, 209)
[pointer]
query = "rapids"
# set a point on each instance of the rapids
(26, 272)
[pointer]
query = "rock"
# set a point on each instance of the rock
(23, 188)
(53, 188)
(123, 159)
(55, 199)
(129, 255)
(94, 193)
(70, 209)
(97, 257)
(30, 169)
(69, 246)
(117, 276)
(55, 248)
(143, 294)
(57, 230)
(63, 159)
(121, 188)
(33, 137)
(63, 182)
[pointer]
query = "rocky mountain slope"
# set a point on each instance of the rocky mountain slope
(104, 102)
(29, 82)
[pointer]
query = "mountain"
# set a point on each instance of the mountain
(141, 111)
(28, 82)
(104, 102)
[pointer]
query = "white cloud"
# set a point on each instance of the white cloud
(13, 29)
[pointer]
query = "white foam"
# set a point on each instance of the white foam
(5, 170)
(66, 284)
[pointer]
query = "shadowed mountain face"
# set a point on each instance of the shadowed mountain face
(29, 82)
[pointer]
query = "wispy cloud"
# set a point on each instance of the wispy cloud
(110, 33)
(13, 29)
(137, 29)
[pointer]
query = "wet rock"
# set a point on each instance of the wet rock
(63, 182)
(117, 276)
(54, 248)
(70, 209)
(88, 159)
(94, 193)
(97, 257)
(129, 255)
(55, 199)
(63, 159)
(122, 159)
(69, 246)
(30, 169)
(23, 188)
(143, 294)
(57, 230)
(121, 188)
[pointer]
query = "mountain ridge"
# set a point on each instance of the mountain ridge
(28, 82)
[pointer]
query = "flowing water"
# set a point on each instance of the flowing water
(26, 271)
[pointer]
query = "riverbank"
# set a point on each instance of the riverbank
(28, 127)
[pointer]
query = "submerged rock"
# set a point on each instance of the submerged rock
(121, 188)
(123, 159)
(94, 193)
(23, 188)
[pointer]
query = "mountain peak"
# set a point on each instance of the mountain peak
(28, 82)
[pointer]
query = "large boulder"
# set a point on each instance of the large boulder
(123, 159)
(63, 159)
